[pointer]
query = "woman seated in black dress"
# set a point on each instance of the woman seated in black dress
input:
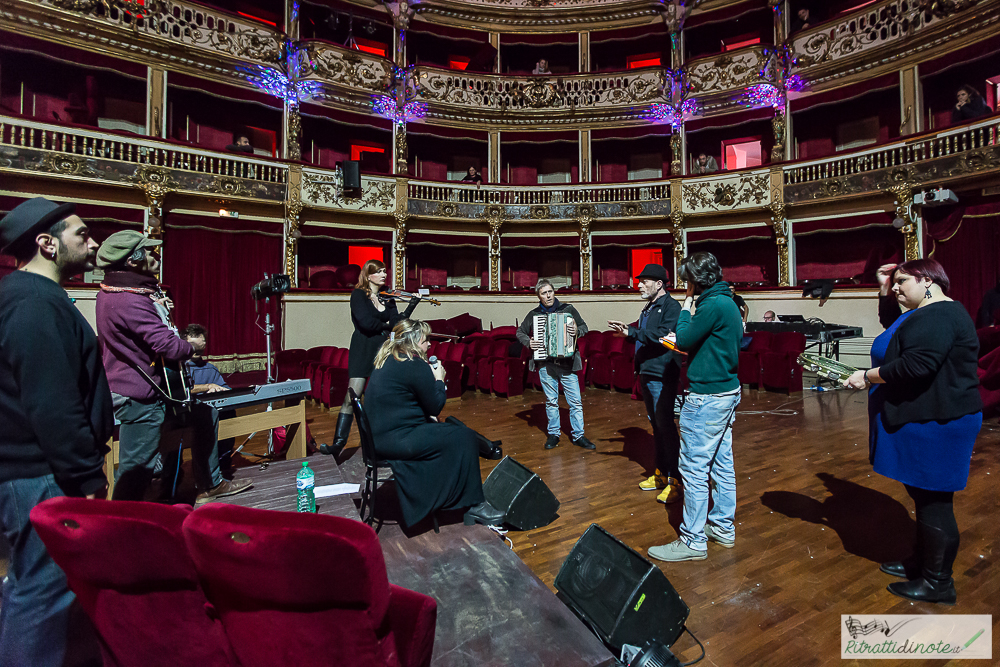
(436, 465)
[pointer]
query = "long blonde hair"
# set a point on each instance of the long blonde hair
(371, 267)
(405, 342)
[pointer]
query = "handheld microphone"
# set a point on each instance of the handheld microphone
(433, 361)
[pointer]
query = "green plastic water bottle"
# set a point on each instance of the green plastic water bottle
(305, 484)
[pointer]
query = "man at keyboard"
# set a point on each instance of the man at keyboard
(206, 379)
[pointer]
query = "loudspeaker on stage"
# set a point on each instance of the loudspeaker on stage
(623, 597)
(521, 495)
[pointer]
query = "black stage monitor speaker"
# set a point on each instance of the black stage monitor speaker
(622, 596)
(521, 494)
(352, 174)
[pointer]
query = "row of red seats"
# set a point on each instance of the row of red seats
(770, 360)
(225, 586)
(493, 362)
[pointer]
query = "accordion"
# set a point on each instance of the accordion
(551, 330)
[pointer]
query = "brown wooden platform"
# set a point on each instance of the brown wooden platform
(492, 609)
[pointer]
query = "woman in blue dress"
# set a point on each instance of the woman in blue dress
(924, 415)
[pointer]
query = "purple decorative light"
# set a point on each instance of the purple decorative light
(794, 82)
(666, 113)
(385, 106)
(275, 82)
(763, 95)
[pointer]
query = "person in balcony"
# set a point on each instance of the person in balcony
(241, 143)
(541, 67)
(804, 17)
(473, 177)
(705, 164)
(969, 105)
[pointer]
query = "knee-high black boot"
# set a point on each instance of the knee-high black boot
(491, 450)
(935, 584)
(344, 420)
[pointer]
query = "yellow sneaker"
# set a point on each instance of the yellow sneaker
(654, 482)
(671, 493)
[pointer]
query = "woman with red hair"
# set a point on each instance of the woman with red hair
(924, 415)
(373, 317)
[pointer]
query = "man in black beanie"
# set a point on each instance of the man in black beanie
(55, 417)
(659, 371)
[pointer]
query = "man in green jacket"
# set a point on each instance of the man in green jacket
(711, 337)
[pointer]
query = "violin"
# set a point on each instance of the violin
(400, 294)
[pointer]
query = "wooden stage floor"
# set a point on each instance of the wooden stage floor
(813, 519)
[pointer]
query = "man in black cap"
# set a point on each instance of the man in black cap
(135, 332)
(55, 417)
(659, 371)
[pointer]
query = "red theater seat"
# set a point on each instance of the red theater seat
(477, 346)
(989, 382)
(600, 363)
(288, 364)
(484, 367)
(750, 370)
(129, 567)
(334, 378)
(779, 369)
(989, 340)
(315, 373)
(508, 374)
(277, 609)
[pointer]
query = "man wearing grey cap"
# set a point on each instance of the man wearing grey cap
(55, 417)
(134, 334)
(659, 371)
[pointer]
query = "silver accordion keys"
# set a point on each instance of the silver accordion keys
(551, 329)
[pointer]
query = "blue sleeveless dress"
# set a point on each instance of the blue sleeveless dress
(930, 455)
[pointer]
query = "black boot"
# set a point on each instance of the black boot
(936, 584)
(491, 450)
(344, 420)
(485, 514)
(905, 569)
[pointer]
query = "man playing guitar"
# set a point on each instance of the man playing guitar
(135, 333)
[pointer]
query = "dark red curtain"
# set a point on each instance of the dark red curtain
(210, 271)
(966, 241)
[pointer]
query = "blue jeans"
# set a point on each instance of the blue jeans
(707, 451)
(659, 393)
(552, 376)
(35, 616)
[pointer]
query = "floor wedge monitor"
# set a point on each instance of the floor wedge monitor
(623, 597)
(521, 495)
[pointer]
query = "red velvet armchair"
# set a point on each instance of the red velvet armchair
(288, 364)
(477, 346)
(129, 567)
(333, 378)
(778, 365)
(312, 369)
(276, 610)
(750, 370)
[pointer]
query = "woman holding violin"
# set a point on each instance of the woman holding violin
(374, 314)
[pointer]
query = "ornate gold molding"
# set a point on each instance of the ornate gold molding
(902, 193)
(495, 216)
(585, 216)
(293, 221)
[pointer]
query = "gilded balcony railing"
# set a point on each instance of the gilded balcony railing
(903, 153)
(330, 64)
(538, 93)
(731, 71)
(869, 29)
(60, 151)
(187, 23)
(546, 195)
